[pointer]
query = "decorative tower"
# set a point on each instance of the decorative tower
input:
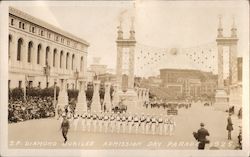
(222, 97)
(120, 32)
(128, 96)
(132, 31)
(234, 29)
(220, 29)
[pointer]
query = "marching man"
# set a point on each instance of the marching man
(75, 121)
(130, 123)
(160, 122)
(84, 116)
(94, 121)
(142, 123)
(118, 123)
(148, 121)
(171, 125)
(100, 121)
(136, 123)
(106, 122)
(124, 122)
(88, 122)
(153, 126)
(65, 128)
(166, 126)
(112, 122)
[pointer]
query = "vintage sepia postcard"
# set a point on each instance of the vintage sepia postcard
(124, 78)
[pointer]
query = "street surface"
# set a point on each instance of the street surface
(45, 133)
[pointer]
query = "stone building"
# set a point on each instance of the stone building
(188, 83)
(40, 54)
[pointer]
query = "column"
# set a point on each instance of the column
(96, 104)
(42, 55)
(85, 65)
(13, 50)
(34, 55)
(147, 95)
(63, 95)
(140, 95)
(233, 64)
(220, 67)
(115, 99)
(81, 105)
(107, 98)
(143, 95)
(119, 67)
(131, 68)
(24, 53)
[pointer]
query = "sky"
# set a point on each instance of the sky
(159, 25)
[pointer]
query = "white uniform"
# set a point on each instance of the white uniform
(124, 123)
(106, 123)
(136, 124)
(142, 124)
(112, 123)
(153, 126)
(118, 123)
(166, 126)
(94, 122)
(75, 121)
(130, 123)
(148, 121)
(88, 121)
(171, 127)
(100, 122)
(83, 122)
(160, 122)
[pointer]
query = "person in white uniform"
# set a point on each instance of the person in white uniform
(166, 126)
(142, 123)
(171, 125)
(160, 125)
(153, 125)
(148, 124)
(84, 117)
(130, 123)
(106, 122)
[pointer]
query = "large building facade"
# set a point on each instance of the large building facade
(39, 53)
(189, 83)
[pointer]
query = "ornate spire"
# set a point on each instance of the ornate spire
(120, 32)
(233, 29)
(132, 31)
(220, 29)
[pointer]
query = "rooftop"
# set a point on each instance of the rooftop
(44, 24)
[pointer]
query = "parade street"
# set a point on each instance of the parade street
(46, 133)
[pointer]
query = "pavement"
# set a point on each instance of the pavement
(46, 134)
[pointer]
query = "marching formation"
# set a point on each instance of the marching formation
(110, 122)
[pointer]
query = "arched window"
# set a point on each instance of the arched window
(47, 56)
(54, 57)
(23, 26)
(61, 55)
(72, 62)
(38, 53)
(12, 22)
(19, 48)
(20, 24)
(30, 46)
(81, 64)
(67, 60)
(10, 40)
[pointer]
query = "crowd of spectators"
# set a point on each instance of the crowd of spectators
(33, 108)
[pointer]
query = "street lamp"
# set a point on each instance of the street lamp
(46, 73)
(55, 106)
(76, 76)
